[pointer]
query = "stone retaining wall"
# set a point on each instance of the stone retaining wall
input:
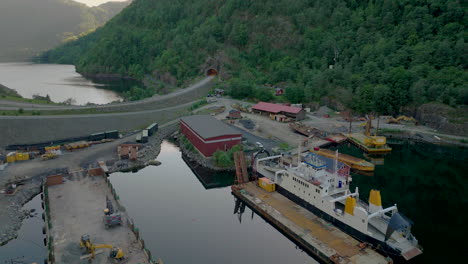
(33, 129)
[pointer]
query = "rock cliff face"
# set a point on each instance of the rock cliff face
(444, 118)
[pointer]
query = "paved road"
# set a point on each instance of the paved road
(122, 117)
(12, 105)
(268, 144)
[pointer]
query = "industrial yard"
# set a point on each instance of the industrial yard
(77, 208)
(77, 202)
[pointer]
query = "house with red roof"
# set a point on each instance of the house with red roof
(263, 108)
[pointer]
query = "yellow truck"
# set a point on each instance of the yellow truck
(48, 156)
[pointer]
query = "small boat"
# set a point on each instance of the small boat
(353, 162)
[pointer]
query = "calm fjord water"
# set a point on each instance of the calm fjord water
(60, 82)
(182, 222)
(429, 185)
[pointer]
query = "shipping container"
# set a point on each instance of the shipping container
(22, 156)
(97, 136)
(266, 184)
(11, 157)
(153, 128)
(114, 134)
(53, 148)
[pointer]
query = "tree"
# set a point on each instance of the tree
(222, 159)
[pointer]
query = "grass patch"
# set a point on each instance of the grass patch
(283, 146)
(26, 100)
(390, 131)
(198, 104)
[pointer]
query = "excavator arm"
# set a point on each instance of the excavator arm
(103, 246)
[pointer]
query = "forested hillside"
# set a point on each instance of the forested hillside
(28, 27)
(370, 55)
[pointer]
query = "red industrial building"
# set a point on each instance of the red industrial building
(296, 113)
(208, 134)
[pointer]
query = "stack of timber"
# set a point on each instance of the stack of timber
(306, 130)
(242, 175)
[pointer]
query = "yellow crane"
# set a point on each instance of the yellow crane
(85, 243)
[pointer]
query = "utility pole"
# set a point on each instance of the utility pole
(350, 122)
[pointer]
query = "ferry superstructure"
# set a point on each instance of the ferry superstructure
(322, 184)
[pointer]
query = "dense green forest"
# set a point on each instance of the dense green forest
(28, 27)
(374, 55)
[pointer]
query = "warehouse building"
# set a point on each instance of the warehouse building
(208, 134)
(263, 108)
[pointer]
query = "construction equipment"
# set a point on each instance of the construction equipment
(242, 108)
(48, 156)
(116, 254)
(77, 145)
(401, 118)
(373, 141)
(111, 217)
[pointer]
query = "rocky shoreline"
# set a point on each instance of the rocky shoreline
(14, 214)
(147, 154)
(424, 138)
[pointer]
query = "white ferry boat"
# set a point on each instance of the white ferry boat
(321, 185)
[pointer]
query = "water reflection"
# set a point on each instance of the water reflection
(182, 222)
(210, 178)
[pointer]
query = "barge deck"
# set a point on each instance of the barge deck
(358, 139)
(316, 236)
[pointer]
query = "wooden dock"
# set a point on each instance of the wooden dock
(313, 234)
(358, 140)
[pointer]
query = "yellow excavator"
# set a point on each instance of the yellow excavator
(373, 141)
(116, 254)
(401, 118)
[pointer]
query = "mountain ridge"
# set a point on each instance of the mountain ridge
(29, 27)
(370, 55)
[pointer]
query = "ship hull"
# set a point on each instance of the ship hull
(380, 246)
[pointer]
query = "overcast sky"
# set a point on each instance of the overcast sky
(96, 2)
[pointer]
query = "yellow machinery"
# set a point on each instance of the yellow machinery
(53, 148)
(115, 253)
(401, 118)
(373, 141)
(77, 145)
(48, 156)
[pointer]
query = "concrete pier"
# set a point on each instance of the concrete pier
(76, 208)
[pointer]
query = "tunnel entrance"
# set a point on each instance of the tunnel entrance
(211, 72)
